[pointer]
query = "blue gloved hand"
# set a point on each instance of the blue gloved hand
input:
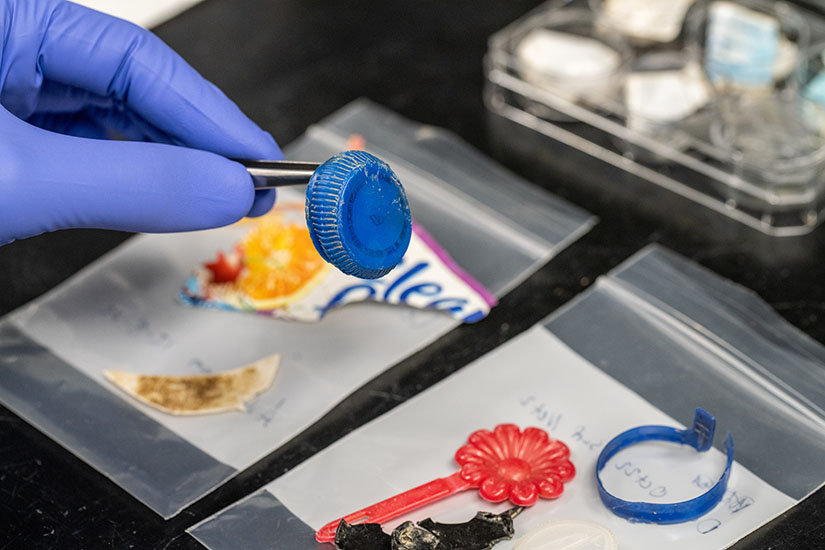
(69, 78)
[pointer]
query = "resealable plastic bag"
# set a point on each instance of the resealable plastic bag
(647, 344)
(123, 313)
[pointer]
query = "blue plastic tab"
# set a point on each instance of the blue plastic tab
(358, 215)
(700, 437)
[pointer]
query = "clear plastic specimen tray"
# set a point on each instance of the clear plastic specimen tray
(687, 156)
(647, 344)
(122, 313)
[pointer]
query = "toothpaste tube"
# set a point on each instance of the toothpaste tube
(275, 270)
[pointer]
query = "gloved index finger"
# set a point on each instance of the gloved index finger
(111, 57)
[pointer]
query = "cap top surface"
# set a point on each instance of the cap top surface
(358, 215)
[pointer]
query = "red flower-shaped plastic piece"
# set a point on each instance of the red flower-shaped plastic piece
(505, 463)
(522, 466)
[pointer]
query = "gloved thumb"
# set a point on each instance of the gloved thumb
(50, 181)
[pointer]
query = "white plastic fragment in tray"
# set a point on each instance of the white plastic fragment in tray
(121, 313)
(649, 343)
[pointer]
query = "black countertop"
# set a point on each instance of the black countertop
(289, 63)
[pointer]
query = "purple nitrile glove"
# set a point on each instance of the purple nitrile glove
(69, 78)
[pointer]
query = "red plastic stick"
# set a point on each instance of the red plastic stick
(399, 504)
(504, 464)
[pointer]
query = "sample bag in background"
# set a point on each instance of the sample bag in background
(647, 344)
(122, 313)
(149, 13)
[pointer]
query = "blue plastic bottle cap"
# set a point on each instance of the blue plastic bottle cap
(358, 215)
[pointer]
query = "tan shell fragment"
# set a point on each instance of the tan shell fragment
(199, 394)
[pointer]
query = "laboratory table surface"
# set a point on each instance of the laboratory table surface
(289, 63)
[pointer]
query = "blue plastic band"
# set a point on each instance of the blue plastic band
(700, 437)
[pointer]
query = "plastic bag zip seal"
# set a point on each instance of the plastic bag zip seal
(700, 437)
(441, 156)
(516, 233)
